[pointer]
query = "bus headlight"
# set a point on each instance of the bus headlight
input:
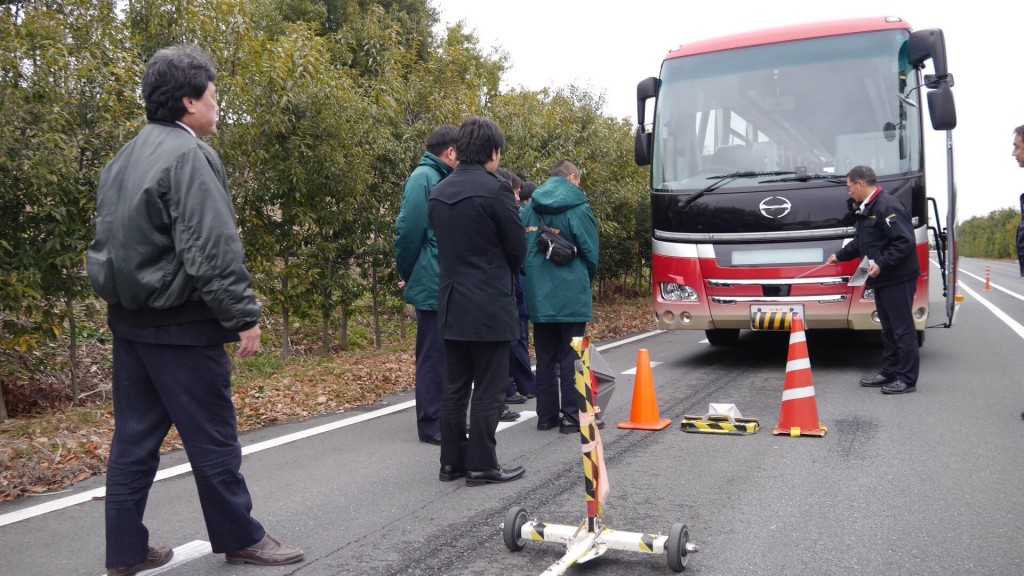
(678, 293)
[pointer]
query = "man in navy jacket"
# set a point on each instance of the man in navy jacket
(885, 234)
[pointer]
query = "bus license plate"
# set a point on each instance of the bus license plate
(775, 317)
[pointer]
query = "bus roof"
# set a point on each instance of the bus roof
(787, 33)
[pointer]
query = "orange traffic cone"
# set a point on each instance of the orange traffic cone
(645, 414)
(799, 415)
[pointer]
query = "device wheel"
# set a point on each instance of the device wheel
(723, 336)
(678, 536)
(512, 530)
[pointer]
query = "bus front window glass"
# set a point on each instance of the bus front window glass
(820, 106)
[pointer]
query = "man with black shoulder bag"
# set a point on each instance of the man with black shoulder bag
(561, 263)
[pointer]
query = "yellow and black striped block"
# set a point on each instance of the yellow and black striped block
(742, 426)
(771, 320)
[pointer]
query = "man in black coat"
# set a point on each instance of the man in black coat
(885, 234)
(481, 245)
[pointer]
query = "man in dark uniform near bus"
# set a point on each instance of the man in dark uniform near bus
(884, 233)
(1018, 155)
(480, 248)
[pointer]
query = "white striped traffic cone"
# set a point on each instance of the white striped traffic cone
(799, 414)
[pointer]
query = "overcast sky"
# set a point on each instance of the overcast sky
(610, 46)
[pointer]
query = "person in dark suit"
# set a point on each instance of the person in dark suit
(885, 234)
(168, 261)
(480, 247)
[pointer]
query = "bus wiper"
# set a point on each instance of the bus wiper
(723, 179)
(807, 178)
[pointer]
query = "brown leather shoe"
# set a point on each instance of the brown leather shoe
(157, 557)
(266, 552)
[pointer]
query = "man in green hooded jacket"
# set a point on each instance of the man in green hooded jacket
(559, 298)
(416, 255)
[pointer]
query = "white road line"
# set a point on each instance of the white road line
(182, 554)
(1013, 324)
(39, 509)
(993, 284)
(633, 370)
(628, 340)
(524, 416)
(54, 505)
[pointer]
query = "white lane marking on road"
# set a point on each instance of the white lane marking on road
(993, 284)
(1013, 324)
(628, 340)
(39, 509)
(523, 417)
(60, 503)
(182, 554)
(633, 370)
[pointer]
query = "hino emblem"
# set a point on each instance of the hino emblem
(777, 209)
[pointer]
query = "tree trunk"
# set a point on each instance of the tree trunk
(3, 405)
(73, 352)
(325, 335)
(376, 308)
(286, 349)
(344, 329)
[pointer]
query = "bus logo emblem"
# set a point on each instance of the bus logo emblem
(776, 209)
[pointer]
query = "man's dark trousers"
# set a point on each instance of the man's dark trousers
(556, 369)
(156, 385)
(521, 376)
(900, 358)
(480, 370)
(429, 373)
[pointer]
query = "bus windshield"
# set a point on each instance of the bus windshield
(813, 107)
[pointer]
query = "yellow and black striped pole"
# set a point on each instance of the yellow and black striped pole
(588, 431)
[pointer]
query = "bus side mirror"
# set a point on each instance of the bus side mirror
(645, 90)
(941, 108)
(642, 155)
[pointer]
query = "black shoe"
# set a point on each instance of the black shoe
(531, 395)
(876, 381)
(435, 439)
(515, 399)
(898, 387)
(494, 476)
(567, 426)
(600, 422)
(509, 416)
(547, 424)
(451, 473)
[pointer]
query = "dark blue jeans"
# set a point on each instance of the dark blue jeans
(156, 385)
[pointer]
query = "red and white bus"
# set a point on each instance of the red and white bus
(750, 143)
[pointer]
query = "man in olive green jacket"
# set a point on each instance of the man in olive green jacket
(416, 256)
(559, 298)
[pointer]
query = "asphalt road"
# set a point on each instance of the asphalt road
(920, 484)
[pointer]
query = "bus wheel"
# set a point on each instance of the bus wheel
(920, 338)
(723, 336)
